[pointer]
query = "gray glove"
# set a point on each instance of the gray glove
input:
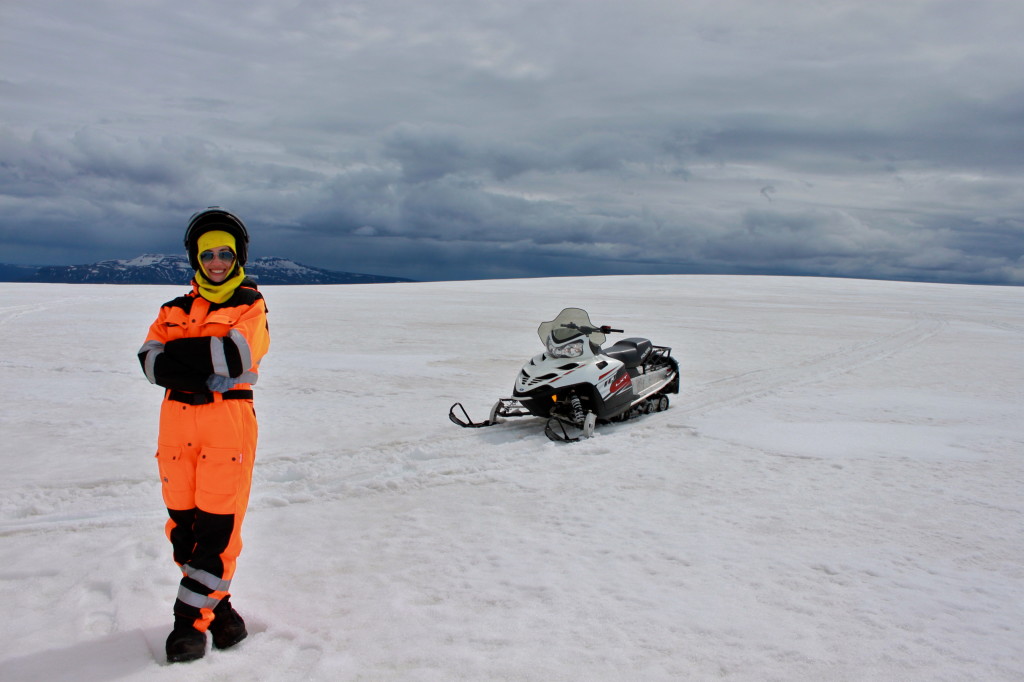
(219, 384)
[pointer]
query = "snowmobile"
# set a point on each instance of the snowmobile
(576, 384)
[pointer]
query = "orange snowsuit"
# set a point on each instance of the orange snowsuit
(207, 440)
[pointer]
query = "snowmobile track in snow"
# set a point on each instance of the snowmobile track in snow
(742, 388)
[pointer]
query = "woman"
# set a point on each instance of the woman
(204, 349)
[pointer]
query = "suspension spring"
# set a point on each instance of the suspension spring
(578, 415)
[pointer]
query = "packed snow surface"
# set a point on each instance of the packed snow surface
(836, 493)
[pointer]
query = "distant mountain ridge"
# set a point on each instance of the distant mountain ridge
(164, 269)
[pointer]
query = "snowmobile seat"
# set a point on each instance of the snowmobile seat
(631, 352)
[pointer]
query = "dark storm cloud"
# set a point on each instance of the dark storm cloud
(476, 139)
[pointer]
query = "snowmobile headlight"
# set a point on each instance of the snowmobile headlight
(574, 349)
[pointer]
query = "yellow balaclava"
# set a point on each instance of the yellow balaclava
(211, 291)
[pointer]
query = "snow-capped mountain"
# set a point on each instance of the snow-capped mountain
(164, 269)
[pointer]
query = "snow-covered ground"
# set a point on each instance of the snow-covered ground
(835, 495)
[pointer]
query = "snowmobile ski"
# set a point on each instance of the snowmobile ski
(502, 410)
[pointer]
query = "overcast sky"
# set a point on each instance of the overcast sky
(475, 139)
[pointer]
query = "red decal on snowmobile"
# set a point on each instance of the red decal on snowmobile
(620, 383)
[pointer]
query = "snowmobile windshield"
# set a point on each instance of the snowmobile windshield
(570, 323)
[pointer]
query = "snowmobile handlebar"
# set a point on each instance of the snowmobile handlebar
(604, 329)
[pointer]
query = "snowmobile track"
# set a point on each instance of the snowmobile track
(750, 386)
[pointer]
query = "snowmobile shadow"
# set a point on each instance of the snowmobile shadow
(512, 431)
(113, 656)
(533, 427)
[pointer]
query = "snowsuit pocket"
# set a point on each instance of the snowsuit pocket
(177, 479)
(219, 474)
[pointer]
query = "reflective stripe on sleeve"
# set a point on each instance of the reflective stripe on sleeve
(152, 350)
(244, 353)
(217, 357)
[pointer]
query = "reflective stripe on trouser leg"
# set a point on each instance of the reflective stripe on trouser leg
(198, 594)
(200, 601)
(206, 579)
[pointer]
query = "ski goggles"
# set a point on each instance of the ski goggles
(209, 256)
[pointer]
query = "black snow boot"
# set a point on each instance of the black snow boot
(227, 628)
(185, 643)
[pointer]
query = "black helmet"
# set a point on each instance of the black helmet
(215, 218)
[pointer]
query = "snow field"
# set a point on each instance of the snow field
(835, 494)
